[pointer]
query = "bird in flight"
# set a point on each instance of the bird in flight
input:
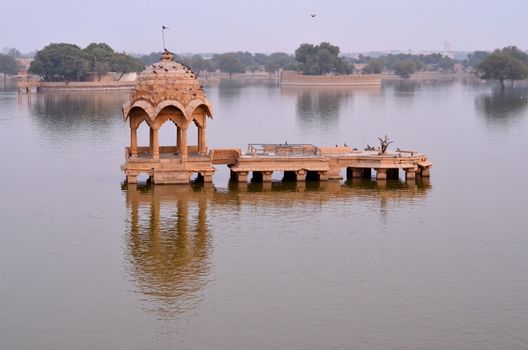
(313, 15)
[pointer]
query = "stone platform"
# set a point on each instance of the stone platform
(296, 162)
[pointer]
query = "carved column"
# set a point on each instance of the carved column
(178, 138)
(151, 138)
(133, 142)
(155, 144)
(203, 143)
(381, 174)
(410, 173)
(183, 144)
(199, 140)
(266, 176)
(301, 175)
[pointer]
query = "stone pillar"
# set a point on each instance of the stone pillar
(323, 175)
(241, 176)
(207, 176)
(426, 172)
(301, 175)
(155, 144)
(381, 174)
(131, 179)
(410, 173)
(178, 138)
(151, 138)
(183, 145)
(202, 144)
(199, 143)
(266, 176)
(354, 173)
(133, 142)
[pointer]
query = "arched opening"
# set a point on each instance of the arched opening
(289, 176)
(312, 175)
(143, 139)
(171, 124)
(142, 179)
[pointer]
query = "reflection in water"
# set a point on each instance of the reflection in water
(168, 245)
(229, 90)
(389, 192)
(500, 107)
(70, 110)
(410, 87)
(168, 239)
(319, 104)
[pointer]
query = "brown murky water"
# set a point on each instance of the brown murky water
(86, 263)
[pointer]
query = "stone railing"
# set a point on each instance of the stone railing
(225, 155)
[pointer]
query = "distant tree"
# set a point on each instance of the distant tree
(514, 52)
(151, 58)
(405, 68)
(8, 65)
(13, 52)
(508, 63)
(124, 63)
(229, 63)
(104, 59)
(210, 66)
(67, 62)
(445, 64)
(197, 63)
(60, 62)
(375, 66)
(320, 59)
(474, 58)
(260, 59)
(277, 61)
(99, 56)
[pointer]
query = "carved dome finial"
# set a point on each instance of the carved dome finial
(167, 56)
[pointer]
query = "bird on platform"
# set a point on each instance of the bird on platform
(344, 144)
(313, 15)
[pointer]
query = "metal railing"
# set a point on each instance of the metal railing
(282, 150)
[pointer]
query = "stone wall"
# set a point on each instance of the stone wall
(294, 78)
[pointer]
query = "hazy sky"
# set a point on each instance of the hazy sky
(265, 26)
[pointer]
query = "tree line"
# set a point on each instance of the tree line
(8, 65)
(406, 64)
(68, 62)
(308, 59)
(231, 62)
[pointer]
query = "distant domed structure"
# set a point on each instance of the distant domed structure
(167, 90)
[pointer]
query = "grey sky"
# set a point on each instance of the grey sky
(265, 26)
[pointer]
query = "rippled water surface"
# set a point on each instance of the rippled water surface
(88, 263)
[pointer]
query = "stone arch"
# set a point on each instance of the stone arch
(170, 103)
(202, 106)
(172, 113)
(137, 115)
(143, 105)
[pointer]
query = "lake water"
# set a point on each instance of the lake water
(87, 263)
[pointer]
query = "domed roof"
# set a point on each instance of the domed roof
(167, 83)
